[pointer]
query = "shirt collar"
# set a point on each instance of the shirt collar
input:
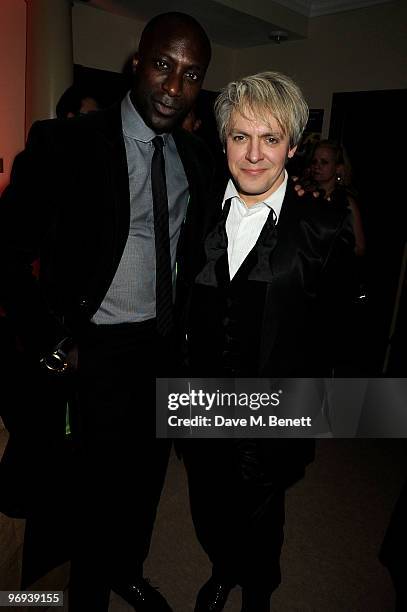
(274, 201)
(133, 125)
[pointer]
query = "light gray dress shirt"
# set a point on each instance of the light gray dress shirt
(131, 296)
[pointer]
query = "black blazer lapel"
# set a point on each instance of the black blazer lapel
(193, 177)
(203, 203)
(273, 306)
(109, 125)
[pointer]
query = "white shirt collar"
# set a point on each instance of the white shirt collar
(274, 201)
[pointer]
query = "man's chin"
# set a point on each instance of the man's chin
(158, 123)
(162, 124)
(251, 191)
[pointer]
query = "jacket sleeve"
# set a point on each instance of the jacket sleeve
(27, 218)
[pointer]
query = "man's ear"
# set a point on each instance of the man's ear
(135, 62)
(291, 152)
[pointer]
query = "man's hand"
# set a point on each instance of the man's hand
(302, 186)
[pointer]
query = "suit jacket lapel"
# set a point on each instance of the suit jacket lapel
(204, 202)
(109, 125)
(274, 307)
(191, 174)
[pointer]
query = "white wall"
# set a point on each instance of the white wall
(358, 50)
(105, 41)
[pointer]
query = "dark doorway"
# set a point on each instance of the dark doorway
(109, 87)
(372, 127)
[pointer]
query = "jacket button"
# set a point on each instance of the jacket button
(83, 303)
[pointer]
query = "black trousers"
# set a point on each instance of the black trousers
(393, 550)
(238, 513)
(120, 464)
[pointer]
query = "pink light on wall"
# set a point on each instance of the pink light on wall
(12, 83)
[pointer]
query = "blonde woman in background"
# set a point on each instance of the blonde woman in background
(331, 171)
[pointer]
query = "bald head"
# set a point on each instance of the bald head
(179, 23)
(169, 69)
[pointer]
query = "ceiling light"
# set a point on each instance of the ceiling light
(278, 36)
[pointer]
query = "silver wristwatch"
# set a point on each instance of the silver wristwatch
(57, 360)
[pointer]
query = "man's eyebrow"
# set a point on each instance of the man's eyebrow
(237, 131)
(274, 133)
(168, 58)
(195, 67)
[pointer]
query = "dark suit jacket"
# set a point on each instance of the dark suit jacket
(307, 278)
(68, 203)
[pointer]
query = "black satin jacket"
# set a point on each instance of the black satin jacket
(305, 267)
